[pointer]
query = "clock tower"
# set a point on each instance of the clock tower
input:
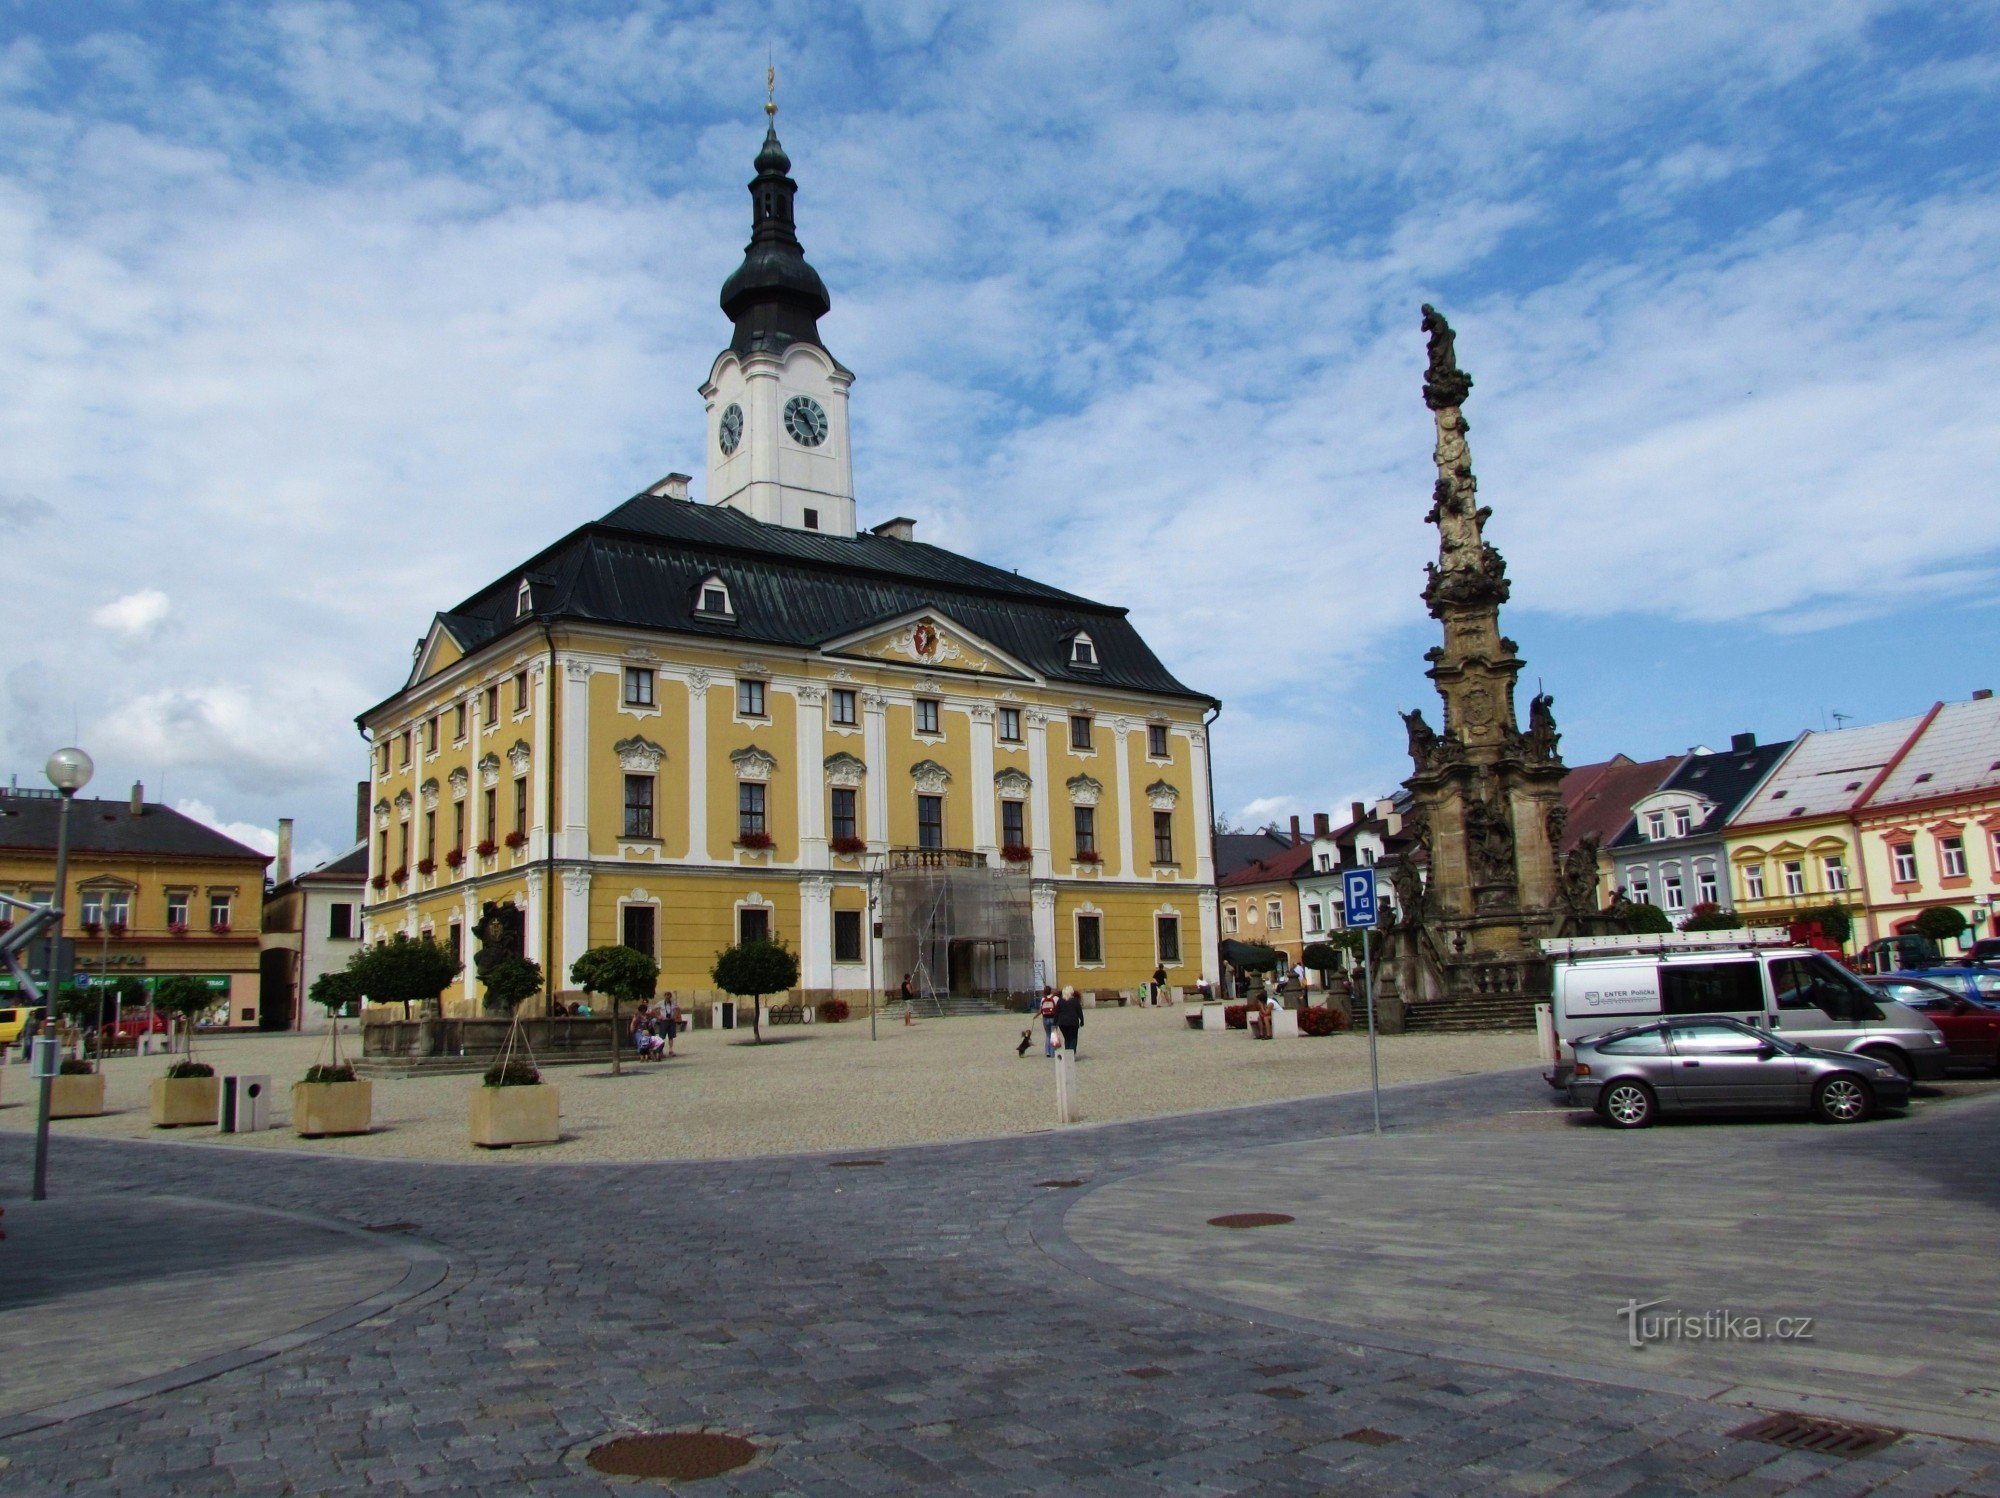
(777, 399)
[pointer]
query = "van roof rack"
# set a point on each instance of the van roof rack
(1661, 943)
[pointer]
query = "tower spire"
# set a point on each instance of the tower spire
(774, 297)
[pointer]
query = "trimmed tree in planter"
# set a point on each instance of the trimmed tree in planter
(1708, 916)
(403, 970)
(510, 982)
(513, 1105)
(622, 974)
(188, 1093)
(1940, 922)
(752, 969)
(331, 1099)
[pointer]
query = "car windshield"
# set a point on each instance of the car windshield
(1815, 981)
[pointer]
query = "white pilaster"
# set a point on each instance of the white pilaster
(469, 937)
(875, 749)
(575, 937)
(1211, 940)
(984, 839)
(1041, 834)
(816, 931)
(1121, 729)
(531, 928)
(540, 813)
(697, 765)
(813, 852)
(1043, 896)
(1204, 818)
(574, 839)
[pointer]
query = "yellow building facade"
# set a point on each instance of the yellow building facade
(151, 893)
(685, 724)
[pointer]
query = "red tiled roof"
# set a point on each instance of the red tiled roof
(1599, 797)
(1275, 868)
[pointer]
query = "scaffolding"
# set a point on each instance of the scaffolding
(957, 926)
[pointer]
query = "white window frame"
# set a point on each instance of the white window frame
(1673, 894)
(1082, 650)
(1274, 914)
(1312, 918)
(1229, 919)
(713, 583)
(1833, 868)
(841, 708)
(928, 715)
(642, 678)
(1951, 856)
(1010, 730)
(749, 689)
(1903, 862)
(1793, 872)
(1656, 826)
(1705, 890)
(1683, 821)
(1753, 881)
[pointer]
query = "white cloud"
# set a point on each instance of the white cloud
(135, 614)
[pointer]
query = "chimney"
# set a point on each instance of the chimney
(138, 798)
(1982, 694)
(1742, 743)
(361, 811)
(673, 486)
(1357, 812)
(902, 528)
(1297, 836)
(282, 872)
(1322, 824)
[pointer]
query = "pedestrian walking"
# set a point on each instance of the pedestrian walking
(671, 1013)
(1159, 983)
(1069, 1018)
(1048, 1011)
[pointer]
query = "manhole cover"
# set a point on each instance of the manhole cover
(1059, 1185)
(851, 1164)
(1827, 1437)
(1249, 1220)
(1369, 1436)
(679, 1456)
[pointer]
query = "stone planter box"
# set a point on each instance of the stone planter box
(180, 1101)
(77, 1097)
(504, 1116)
(332, 1108)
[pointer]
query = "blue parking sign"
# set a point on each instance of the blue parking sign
(1357, 889)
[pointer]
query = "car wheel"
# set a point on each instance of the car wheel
(1627, 1105)
(1890, 1056)
(1842, 1098)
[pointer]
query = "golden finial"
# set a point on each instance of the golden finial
(771, 90)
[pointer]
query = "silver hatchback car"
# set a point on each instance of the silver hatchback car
(1707, 1063)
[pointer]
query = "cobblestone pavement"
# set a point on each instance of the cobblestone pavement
(884, 1328)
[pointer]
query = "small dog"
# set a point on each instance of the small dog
(1027, 1039)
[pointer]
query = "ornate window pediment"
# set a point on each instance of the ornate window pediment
(753, 763)
(1162, 796)
(404, 800)
(429, 791)
(1084, 790)
(459, 780)
(489, 769)
(930, 776)
(844, 769)
(517, 755)
(1012, 782)
(638, 755)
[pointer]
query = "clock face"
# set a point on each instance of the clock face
(732, 428)
(805, 421)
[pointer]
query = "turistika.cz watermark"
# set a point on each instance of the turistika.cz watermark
(1644, 1324)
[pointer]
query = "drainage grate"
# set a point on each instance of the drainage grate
(1148, 1373)
(1368, 1435)
(679, 1456)
(852, 1164)
(1059, 1185)
(1810, 1433)
(1249, 1220)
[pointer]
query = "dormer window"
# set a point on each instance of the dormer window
(712, 599)
(1081, 651)
(1683, 821)
(1656, 826)
(524, 600)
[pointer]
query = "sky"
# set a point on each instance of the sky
(317, 317)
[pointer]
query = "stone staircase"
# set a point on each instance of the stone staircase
(1463, 1013)
(945, 1006)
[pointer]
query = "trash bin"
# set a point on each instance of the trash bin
(246, 1105)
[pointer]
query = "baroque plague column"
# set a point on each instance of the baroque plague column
(1487, 802)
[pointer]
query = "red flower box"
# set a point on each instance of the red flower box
(850, 845)
(92, 928)
(219, 928)
(1089, 855)
(117, 928)
(427, 866)
(180, 928)
(1314, 1020)
(487, 847)
(380, 882)
(455, 858)
(517, 839)
(756, 840)
(400, 874)
(1017, 853)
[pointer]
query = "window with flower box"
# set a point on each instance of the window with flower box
(521, 807)
(177, 908)
(1086, 832)
(1014, 824)
(218, 912)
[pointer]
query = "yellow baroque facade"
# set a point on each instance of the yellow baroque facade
(687, 723)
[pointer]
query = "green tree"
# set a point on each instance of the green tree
(1940, 922)
(1642, 919)
(1322, 957)
(186, 997)
(1708, 916)
(623, 975)
(1835, 922)
(752, 969)
(403, 970)
(77, 1005)
(510, 982)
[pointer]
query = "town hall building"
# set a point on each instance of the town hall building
(685, 724)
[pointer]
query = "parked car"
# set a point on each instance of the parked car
(1804, 996)
(139, 1022)
(1705, 1064)
(1980, 984)
(1970, 1028)
(1986, 949)
(14, 1022)
(1898, 954)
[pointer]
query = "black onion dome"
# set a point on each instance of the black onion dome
(774, 297)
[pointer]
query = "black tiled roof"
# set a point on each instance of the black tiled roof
(1726, 779)
(28, 823)
(642, 564)
(350, 868)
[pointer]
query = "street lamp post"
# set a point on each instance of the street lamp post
(69, 771)
(872, 862)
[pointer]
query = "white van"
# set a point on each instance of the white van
(1760, 977)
